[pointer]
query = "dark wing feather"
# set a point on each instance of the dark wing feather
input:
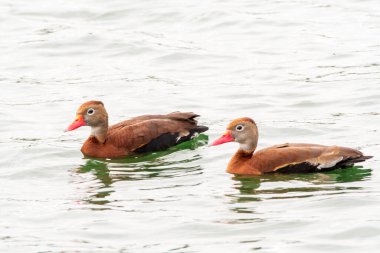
(351, 161)
(167, 140)
(303, 167)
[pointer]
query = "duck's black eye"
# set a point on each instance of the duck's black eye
(239, 127)
(90, 111)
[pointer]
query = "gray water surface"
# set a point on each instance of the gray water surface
(306, 71)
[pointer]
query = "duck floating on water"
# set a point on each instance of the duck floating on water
(141, 134)
(285, 158)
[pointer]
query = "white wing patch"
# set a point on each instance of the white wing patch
(330, 163)
(182, 134)
(195, 134)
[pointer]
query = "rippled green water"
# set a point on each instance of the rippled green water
(306, 71)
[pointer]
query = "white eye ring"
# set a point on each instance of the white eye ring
(239, 128)
(90, 111)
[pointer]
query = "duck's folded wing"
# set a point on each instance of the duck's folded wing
(154, 132)
(305, 158)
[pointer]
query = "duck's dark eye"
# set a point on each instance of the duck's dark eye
(90, 111)
(239, 127)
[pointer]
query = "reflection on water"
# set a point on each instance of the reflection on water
(273, 189)
(139, 167)
(276, 186)
(102, 173)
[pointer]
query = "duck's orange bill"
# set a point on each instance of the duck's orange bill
(226, 137)
(78, 122)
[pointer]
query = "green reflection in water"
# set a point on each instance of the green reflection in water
(249, 187)
(252, 189)
(138, 167)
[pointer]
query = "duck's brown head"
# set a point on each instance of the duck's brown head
(91, 113)
(241, 130)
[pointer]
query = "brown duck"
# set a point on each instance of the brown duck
(141, 134)
(286, 158)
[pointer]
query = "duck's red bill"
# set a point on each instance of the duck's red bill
(78, 122)
(226, 137)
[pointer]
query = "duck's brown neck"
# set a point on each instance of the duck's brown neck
(239, 163)
(100, 132)
(242, 154)
(242, 164)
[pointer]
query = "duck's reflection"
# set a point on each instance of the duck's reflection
(101, 172)
(280, 185)
(152, 165)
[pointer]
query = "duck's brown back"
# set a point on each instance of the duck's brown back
(296, 157)
(145, 133)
